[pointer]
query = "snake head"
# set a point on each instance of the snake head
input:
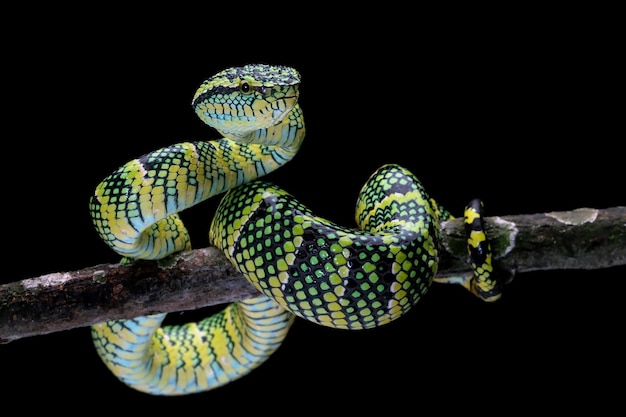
(240, 101)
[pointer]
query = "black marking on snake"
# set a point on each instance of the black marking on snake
(325, 273)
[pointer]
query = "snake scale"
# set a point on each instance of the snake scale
(302, 265)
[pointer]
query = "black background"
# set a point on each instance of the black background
(521, 114)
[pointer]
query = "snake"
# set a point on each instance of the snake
(304, 266)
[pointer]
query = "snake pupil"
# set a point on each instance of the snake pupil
(245, 88)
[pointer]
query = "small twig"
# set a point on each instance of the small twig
(578, 239)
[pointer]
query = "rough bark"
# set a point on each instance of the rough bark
(579, 239)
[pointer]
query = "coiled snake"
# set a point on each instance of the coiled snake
(302, 265)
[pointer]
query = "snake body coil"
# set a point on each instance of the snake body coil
(326, 273)
(303, 265)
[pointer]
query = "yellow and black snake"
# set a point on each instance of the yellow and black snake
(302, 265)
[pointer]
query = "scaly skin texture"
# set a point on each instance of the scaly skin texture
(302, 265)
(134, 210)
(326, 273)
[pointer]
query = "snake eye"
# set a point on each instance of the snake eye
(245, 88)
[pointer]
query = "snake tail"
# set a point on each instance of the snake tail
(326, 273)
(483, 283)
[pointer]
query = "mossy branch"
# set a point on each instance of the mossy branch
(578, 239)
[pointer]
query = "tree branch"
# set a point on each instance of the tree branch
(578, 239)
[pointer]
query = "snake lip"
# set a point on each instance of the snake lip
(291, 97)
